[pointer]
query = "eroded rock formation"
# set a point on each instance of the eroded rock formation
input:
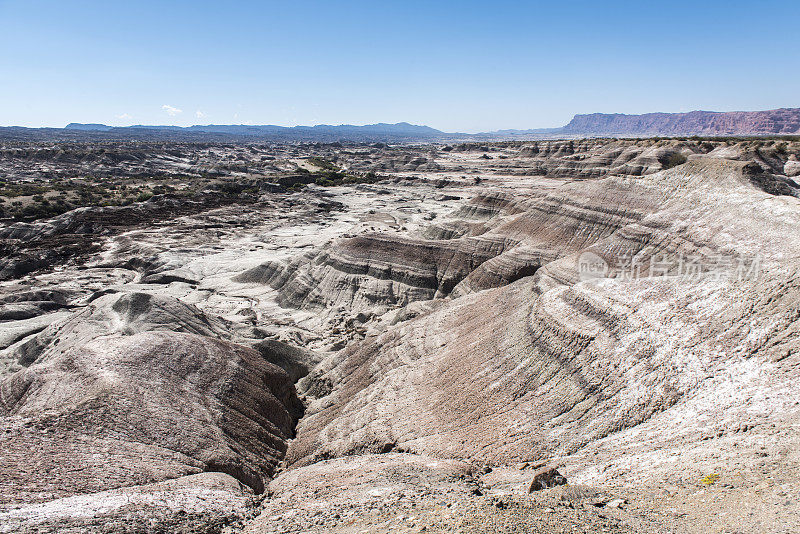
(625, 312)
(138, 390)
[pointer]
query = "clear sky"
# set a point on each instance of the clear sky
(454, 65)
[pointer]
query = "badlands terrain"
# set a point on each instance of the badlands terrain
(210, 337)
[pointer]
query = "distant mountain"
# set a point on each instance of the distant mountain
(784, 121)
(88, 127)
(343, 131)
(324, 133)
(710, 123)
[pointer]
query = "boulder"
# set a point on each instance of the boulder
(546, 477)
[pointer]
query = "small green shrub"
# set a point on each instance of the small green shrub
(674, 159)
(323, 163)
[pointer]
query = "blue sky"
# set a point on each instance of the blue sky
(458, 66)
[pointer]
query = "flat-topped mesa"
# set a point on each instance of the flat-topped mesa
(783, 121)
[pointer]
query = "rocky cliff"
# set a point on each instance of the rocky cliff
(785, 121)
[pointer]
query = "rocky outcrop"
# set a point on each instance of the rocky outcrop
(221, 407)
(593, 158)
(117, 314)
(135, 390)
(546, 477)
(377, 269)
